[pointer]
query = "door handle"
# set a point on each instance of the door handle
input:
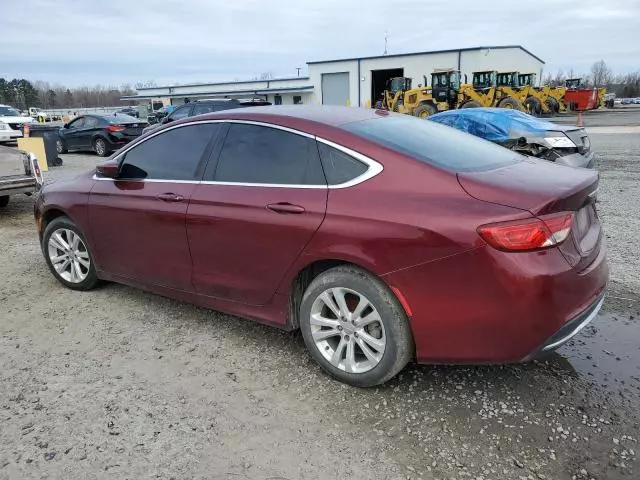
(284, 207)
(170, 197)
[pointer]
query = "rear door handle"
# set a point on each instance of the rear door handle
(285, 208)
(170, 197)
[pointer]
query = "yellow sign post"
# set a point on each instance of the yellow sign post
(35, 145)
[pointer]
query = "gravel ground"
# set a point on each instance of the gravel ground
(118, 383)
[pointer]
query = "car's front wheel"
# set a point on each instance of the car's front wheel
(67, 254)
(354, 327)
(4, 201)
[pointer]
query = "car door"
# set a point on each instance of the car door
(138, 219)
(72, 133)
(86, 133)
(263, 198)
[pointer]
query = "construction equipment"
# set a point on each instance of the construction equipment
(536, 99)
(424, 100)
(510, 94)
(578, 98)
(481, 92)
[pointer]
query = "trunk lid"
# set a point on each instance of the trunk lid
(13, 162)
(542, 188)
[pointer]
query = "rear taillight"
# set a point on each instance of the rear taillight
(531, 234)
(36, 169)
(115, 128)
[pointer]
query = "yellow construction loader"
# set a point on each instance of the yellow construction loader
(424, 100)
(544, 94)
(508, 92)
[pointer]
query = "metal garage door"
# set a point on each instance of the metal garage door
(335, 88)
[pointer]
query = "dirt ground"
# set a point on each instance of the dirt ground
(118, 383)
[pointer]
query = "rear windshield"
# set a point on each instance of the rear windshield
(122, 118)
(435, 144)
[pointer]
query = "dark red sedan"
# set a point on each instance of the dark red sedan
(383, 237)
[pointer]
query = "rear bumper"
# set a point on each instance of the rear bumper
(487, 306)
(569, 329)
(7, 135)
(16, 186)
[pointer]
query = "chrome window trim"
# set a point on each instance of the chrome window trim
(374, 168)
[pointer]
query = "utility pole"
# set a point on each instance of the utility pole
(298, 69)
(386, 38)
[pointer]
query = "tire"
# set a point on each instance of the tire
(100, 147)
(533, 106)
(391, 334)
(552, 104)
(60, 146)
(4, 201)
(425, 110)
(471, 104)
(64, 231)
(510, 103)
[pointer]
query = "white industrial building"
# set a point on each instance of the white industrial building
(354, 81)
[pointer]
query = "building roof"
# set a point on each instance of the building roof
(253, 91)
(453, 50)
(225, 83)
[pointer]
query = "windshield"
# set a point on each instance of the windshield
(434, 144)
(9, 112)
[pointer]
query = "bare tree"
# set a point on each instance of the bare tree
(266, 76)
(600, 74)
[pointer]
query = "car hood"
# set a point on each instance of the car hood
(498, 124)
(16, 119)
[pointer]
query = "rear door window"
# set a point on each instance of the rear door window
(338, 166)
(202, 108)
(180, 113)
(174, 154)
(256, 154)
(435, 144)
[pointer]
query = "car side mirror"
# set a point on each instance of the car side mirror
(108, 169)
(66, 125)
(165, 120)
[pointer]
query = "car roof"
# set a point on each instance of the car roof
(323, 114)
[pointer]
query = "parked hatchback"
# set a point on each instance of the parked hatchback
(382, 237)
(101, 134)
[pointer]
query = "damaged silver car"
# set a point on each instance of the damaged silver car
(523, 133)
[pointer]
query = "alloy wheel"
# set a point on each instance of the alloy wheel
(59, 146)
(100, 147)
(68, 255)
(347, 330)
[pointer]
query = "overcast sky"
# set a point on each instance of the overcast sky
(87, 42)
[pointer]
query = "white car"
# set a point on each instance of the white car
(11, 123)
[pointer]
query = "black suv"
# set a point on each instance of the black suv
(200, 107)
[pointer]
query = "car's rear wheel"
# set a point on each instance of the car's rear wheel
(354, 327)
(100, 147)
(67, 255)
(60, 146)
(4, 201)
